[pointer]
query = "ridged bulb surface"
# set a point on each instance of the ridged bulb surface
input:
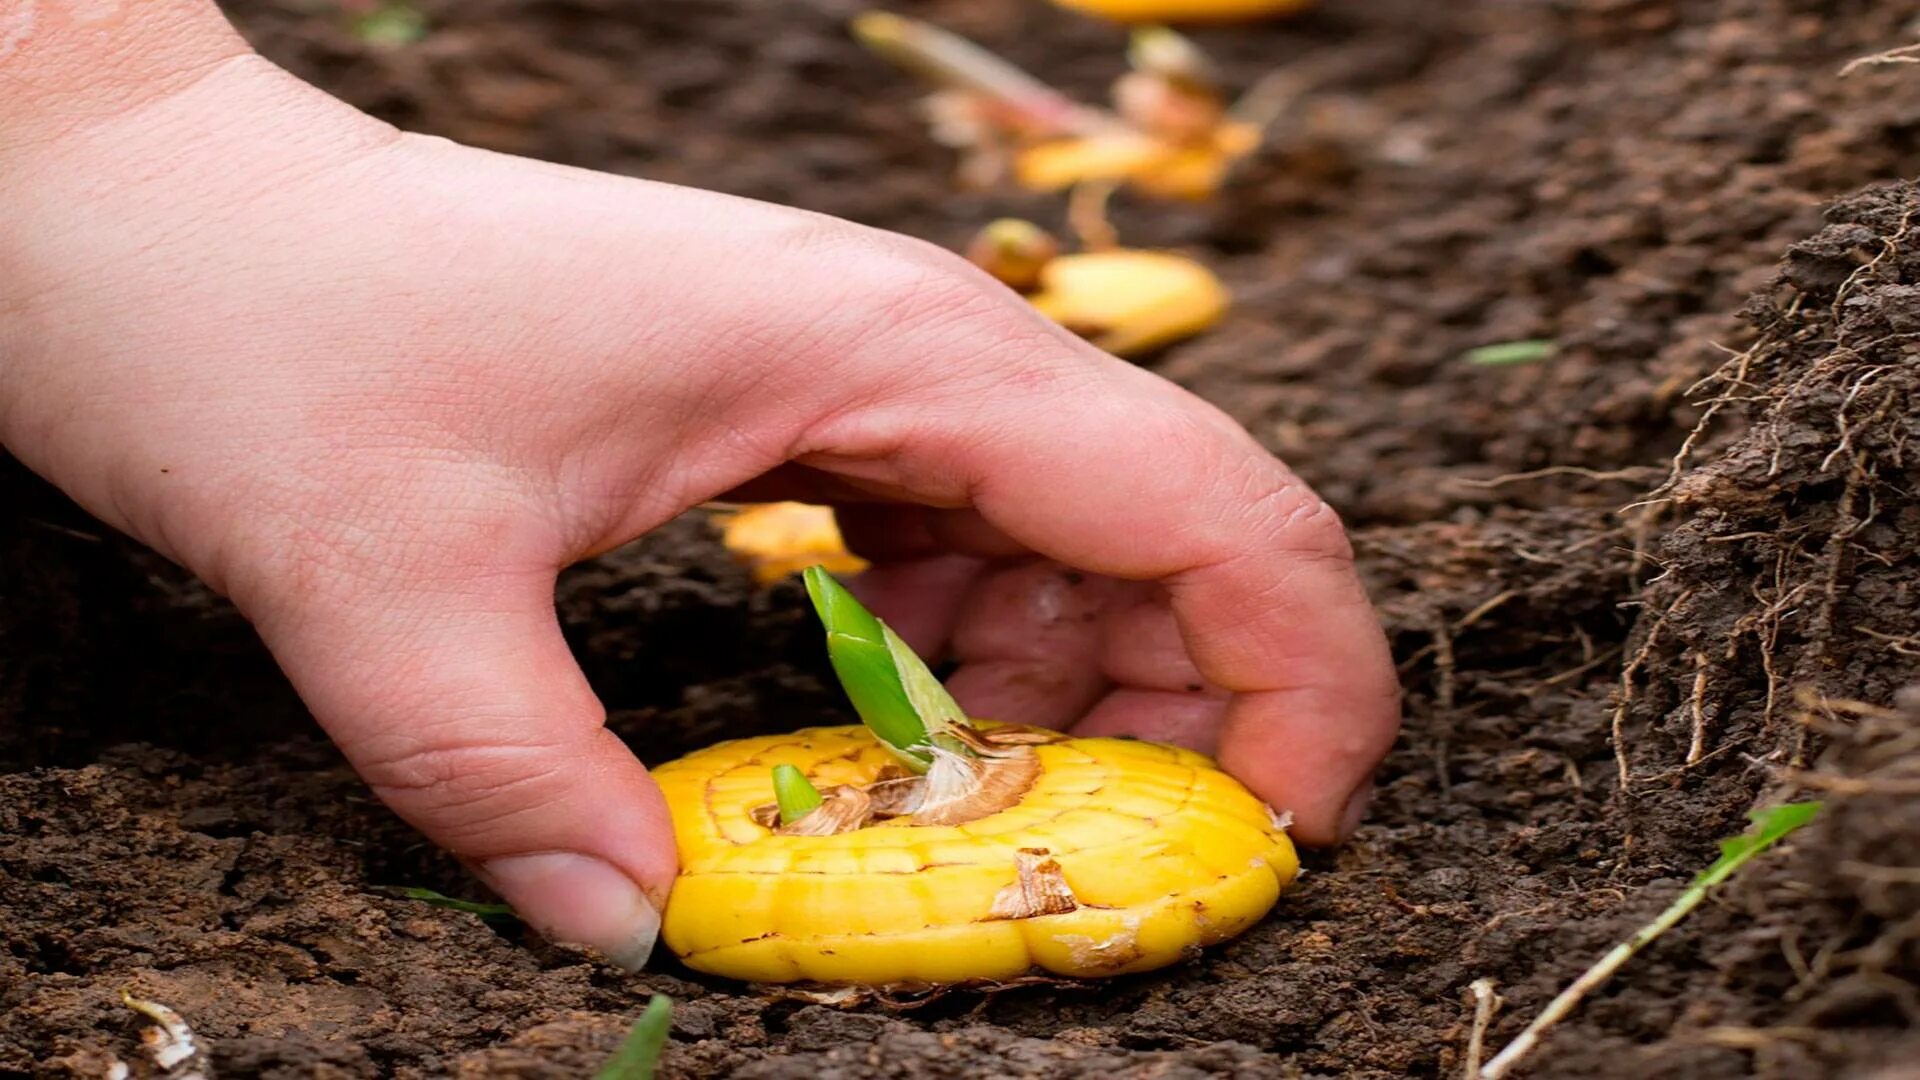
(1162, 852)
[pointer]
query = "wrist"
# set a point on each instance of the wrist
(68, 64)
(121, 189)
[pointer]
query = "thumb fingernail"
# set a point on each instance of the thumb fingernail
(579, 900)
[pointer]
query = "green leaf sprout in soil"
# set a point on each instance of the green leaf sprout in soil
(794, 794)
(639, 1055)
(388, 24)
(1770, 826)
(452, 903)
(1510, 353)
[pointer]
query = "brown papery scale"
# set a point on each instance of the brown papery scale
(996, 769)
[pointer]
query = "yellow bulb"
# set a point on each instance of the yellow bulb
(1183, 11)
(1159, 167)
(1129, 302)
(777, 540)
(1160, 851)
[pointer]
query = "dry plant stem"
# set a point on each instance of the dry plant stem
(1633, 473)
(1905, 54)
(1851, 785)
(1485, 1004)
(950, 61)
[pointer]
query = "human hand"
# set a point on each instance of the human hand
(379, 389)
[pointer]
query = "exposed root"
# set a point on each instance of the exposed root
(1485, 1004)
(1634, 474)
(1905, 54)
(1698, 747)
(1625, 701)
(1904, 644)
(1733, 372)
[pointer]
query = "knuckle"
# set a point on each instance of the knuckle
(468, 792)
(904, 316)
(1286, 512)
(918, 287)
(897, 285)
(1313, 526)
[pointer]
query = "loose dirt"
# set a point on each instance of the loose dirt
(1633, 588)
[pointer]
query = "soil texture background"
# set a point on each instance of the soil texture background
(1635, 589)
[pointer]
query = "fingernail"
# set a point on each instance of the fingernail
(1356, 808)
(579, 900)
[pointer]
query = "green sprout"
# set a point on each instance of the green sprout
(1770, 826)
(893, 690)
(452, 903)
(639, 1055)
(1509, 353)
(387, 25)
(794, 794)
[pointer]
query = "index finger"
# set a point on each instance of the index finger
(1129, 476)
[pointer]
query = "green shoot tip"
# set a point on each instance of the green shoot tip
(639, 1054)
(892, 689)
(794, 794)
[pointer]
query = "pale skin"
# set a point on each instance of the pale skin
(379, 389)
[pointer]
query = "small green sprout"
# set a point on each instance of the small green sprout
(440, 900)
(893, 690)
(794, 794)
(1770, 826)
(1509, 353)
(388, 25)
(639, 1055)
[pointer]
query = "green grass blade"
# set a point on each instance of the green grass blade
(391, 25)
(865, 665)
(794, 794)
(1508, 353)
(472, 907)
(639, 1055)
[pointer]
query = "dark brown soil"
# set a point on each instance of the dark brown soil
(1617, 175)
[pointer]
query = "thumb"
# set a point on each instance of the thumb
(461, 705)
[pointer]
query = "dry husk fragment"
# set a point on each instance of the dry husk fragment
(996, 769)
(842, 809)
(1040, 889)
